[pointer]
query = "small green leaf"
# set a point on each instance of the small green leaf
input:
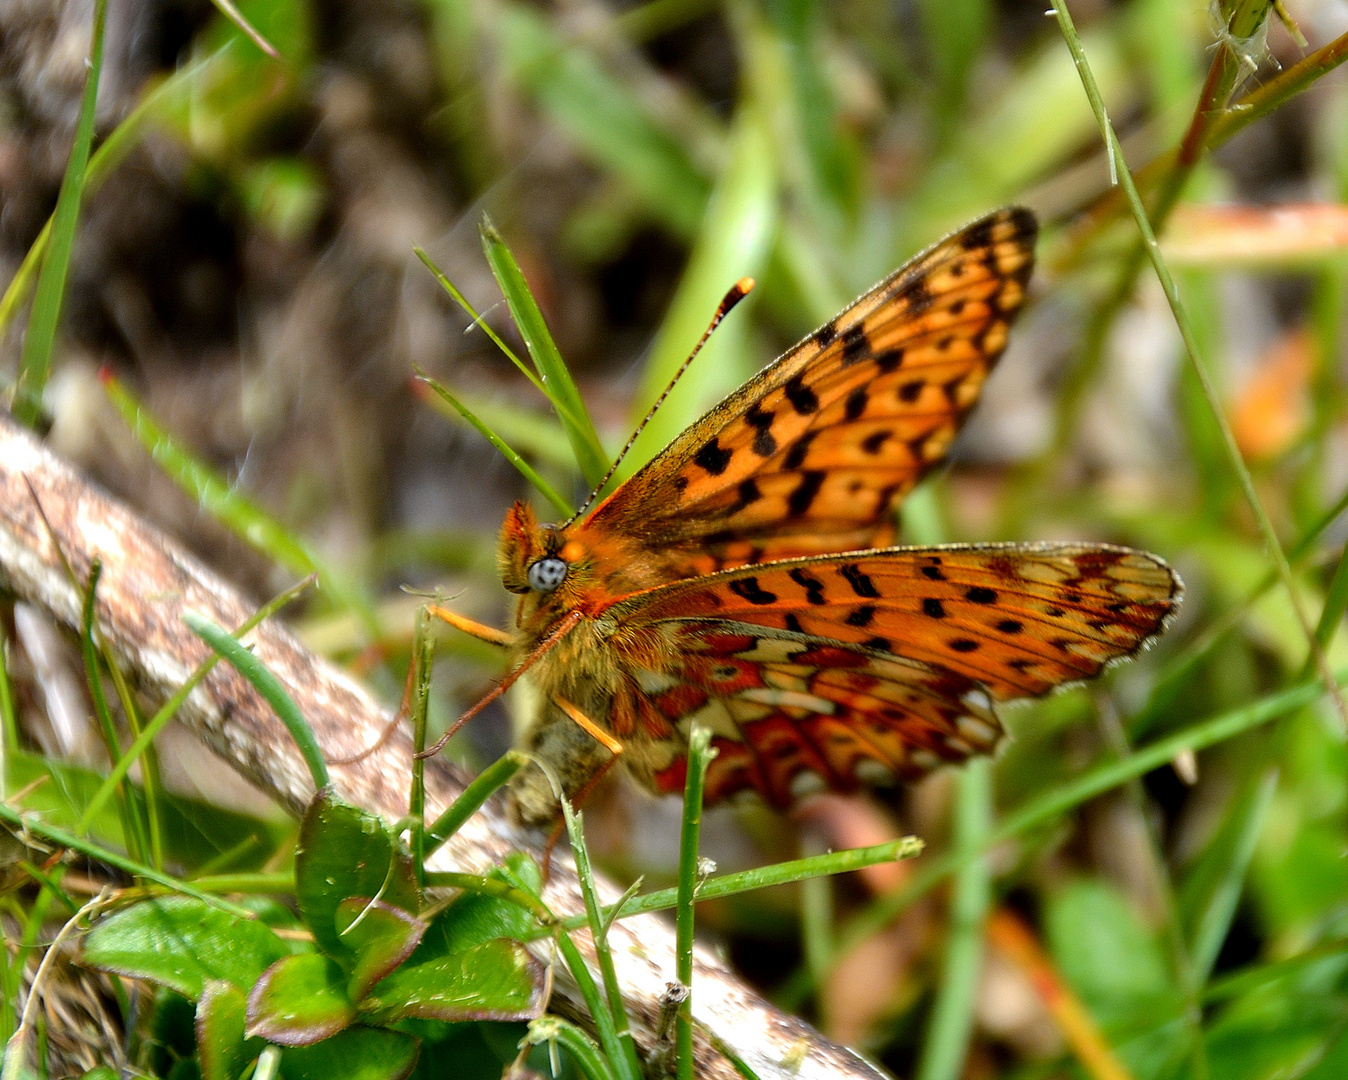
(300, 1000)
(345, 852)
(358, 1053)
(223, 1050)
(495, 981)
(382, 937)
(182, 943)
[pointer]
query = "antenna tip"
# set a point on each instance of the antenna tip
(745, 286)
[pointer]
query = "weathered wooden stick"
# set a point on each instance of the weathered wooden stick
(149, 581)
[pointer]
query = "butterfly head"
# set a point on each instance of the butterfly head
(535, 560)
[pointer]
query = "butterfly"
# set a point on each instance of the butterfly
(743, 578)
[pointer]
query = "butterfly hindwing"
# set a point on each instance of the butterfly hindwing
(791, 713)
(813, 455)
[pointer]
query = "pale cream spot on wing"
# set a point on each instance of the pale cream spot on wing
(789, 699)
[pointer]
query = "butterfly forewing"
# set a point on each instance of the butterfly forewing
(813, 455)
(1019, 620)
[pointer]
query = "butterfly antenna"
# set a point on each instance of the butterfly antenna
(737, 292)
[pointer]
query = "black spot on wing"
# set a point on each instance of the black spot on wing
(713, 458)
(749, 589)
(795, 456)
(889, 360)
(800, 500)
(861, 584)
(856, 403)
(814, 588)
(933, 607)
(910, 391)
(802, 398)
(980, 595)
(825, 334)
(765, 445)
(861, 616)
(855, 345)
(875, 440)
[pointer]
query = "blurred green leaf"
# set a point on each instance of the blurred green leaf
(603, 116)
(300, 1000)
(358, 1053)
(1212, 887)
(183, 944)
(734, 242)
(1117, 968)
(345, 852)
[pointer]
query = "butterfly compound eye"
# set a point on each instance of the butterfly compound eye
(546, 574)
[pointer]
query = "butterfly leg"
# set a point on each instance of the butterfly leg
(481, 631)
(612, 745)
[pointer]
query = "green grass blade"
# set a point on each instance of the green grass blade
(488, 782)
(34, 824)
(947, 1040)
(170, 708)
(9, 718)
(700, 755)
(269, 686)
(548, 362)
(133, 828)
(521, 466)
(478, 320)
(1211, 891)
(111, 152)
(423, 661)
(615, 1034)
(35, 361)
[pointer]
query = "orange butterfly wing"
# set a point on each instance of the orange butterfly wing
(813, 454)
(882, 664)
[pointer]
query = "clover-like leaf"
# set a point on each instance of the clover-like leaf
(497, 980)
(345, 852)
(358, 1053)
(182, 943)
(223, 1048)
(382, 937)
(300, 1000)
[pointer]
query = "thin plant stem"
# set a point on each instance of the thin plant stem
(947, 1041)
(423, 658)
(700, 753)
(1236, 462)
(784, 873)
(487, 783)
(170, 708)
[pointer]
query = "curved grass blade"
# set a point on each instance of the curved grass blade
(35, 362)
(269, 686)
(232, 509)
(522, 467)
(548, 362)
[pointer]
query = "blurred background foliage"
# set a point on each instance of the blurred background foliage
(244, 264)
